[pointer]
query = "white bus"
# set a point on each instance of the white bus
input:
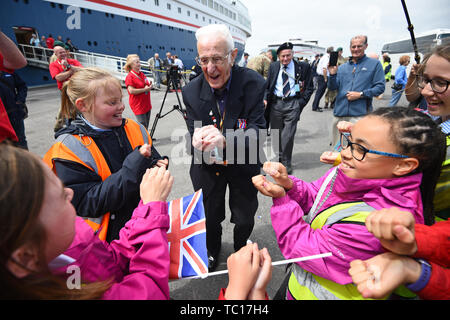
(425, 43)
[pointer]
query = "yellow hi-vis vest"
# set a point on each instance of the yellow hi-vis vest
(441, 200)
(304, 285)
(84, 150)
(387, 76)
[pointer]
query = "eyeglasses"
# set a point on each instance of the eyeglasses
(437, 85)
(359, 152)
(215, 60)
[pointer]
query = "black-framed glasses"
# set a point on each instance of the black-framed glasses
(437, 85)
(216, 60)
(359, 151)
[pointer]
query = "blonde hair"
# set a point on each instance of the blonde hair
(130, 59)
(84, 85)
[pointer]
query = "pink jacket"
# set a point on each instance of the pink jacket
(347, 242)
(138, 262)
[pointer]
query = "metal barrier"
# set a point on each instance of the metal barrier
(42, 57)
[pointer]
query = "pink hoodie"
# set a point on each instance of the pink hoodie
(346, 241)
(138, 262)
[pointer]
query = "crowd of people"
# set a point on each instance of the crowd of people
(97, 199)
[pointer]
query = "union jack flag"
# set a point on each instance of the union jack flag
(187, 237)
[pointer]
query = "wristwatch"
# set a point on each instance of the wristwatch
(425, 275)
(362, 94)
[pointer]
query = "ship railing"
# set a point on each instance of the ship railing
(42, 57)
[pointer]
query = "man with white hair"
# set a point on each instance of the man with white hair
(224, 109)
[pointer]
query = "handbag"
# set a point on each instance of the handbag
(397, 86)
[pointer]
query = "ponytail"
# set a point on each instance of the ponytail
(68, 109)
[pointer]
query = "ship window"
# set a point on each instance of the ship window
(112, 15)
(168, 6)
(204, 2)
(89, 43)
(89, 11)
(107, 14)
(82, 10)
(196, 16)
(210, 3)
(52, 4)
(59, 5)
(156, 2)
(188, 13)
(179, 10)
(25, 1)
(95, 43)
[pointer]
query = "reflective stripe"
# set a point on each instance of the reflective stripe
(304, 284)
(302, 278)
(80, 150)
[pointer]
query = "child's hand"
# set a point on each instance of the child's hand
(156, 185)
(279, 173)
(329, 157)
(344, 126)
(162, 163)
(243, 269)
(146, 150)
(268, 188)
(258, 291)
(394, 228)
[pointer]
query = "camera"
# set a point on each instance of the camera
(172, 71)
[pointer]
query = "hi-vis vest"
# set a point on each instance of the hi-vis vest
(304, 285)
(387, 76)
(83, 150)
(442, 192)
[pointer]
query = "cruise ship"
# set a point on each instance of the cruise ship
(120, 27)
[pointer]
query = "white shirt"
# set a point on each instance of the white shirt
(323, 63)
(279, 85)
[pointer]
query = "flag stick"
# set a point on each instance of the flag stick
(276, 263)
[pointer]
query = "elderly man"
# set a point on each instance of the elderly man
(61, 70)
(289, 88)
(357, 82)
(224, 110)
(156, 65)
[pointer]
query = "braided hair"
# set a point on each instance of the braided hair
(415, 134)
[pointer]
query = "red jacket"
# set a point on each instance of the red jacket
(433, 245)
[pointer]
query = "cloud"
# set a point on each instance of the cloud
(333, 23)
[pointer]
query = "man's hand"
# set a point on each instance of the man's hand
(207, 138)
(353, 95)
(145, 150)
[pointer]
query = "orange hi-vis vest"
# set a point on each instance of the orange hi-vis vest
(82, 149)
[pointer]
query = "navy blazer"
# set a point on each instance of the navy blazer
(244, 111)
(302, 76)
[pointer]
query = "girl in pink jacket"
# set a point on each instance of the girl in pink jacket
(47, 252)
(392, 158)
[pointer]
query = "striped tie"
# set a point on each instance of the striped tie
(286, 86)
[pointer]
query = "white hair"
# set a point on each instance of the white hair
(216, 31)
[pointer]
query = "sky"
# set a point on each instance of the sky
(335, 22)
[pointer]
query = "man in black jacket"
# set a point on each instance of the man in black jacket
(224, 114)
(289, 88)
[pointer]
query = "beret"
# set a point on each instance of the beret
(284, 46)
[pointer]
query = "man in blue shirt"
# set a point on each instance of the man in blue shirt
(357, 82)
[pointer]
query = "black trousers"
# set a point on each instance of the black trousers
(243, 202)
(321, 88)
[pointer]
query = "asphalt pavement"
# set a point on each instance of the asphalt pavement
(312, 138)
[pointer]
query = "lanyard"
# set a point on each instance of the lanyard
(137, 76)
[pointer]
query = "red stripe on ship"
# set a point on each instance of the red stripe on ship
(148, 13)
